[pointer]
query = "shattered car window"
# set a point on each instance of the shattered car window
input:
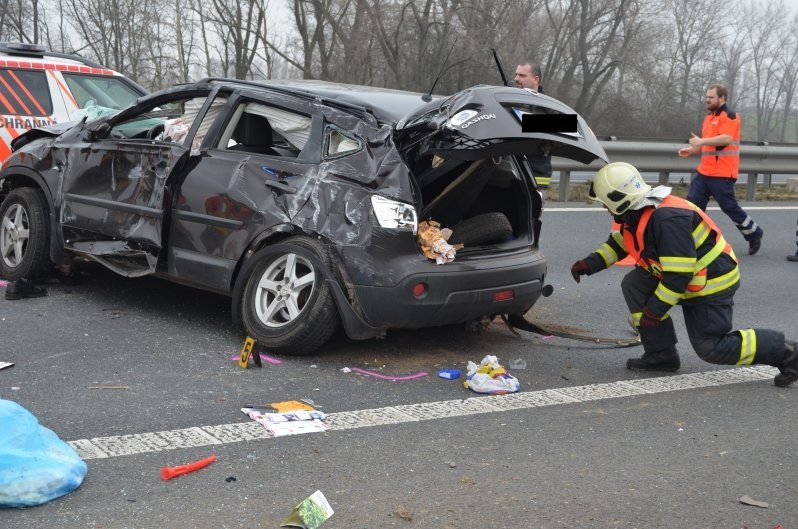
(338, 142)
(151, 124)
(179, 127)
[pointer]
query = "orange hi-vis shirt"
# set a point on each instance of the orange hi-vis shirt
(721, 162)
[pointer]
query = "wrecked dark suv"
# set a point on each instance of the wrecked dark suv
(300, 200)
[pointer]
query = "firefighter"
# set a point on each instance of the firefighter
(681, 258)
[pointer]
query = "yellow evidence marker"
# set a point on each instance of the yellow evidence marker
(246, 352)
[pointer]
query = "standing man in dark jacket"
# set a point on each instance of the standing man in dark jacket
(719, 146)
(681, 259)
(527, 75)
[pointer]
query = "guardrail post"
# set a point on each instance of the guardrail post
(664, 177)
(565, 183)
(750, 191)
(768, 180)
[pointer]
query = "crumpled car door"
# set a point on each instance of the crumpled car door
(486, 122)
(114, 188)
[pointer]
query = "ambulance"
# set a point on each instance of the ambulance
(39, 88)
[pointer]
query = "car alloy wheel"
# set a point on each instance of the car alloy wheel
(14, 234)
(284, 290)
(286, 304)
(24, 234)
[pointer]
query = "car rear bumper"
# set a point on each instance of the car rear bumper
(456, 292)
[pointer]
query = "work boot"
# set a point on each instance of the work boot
(24, 288)
(665, 360)
(789, 368)
(755, 244)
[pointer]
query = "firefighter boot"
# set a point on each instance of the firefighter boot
(664, 360)
(789, 367)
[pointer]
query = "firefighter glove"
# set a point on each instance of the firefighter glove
(650, 318)
(580, 268)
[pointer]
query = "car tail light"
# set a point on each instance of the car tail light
(394, 214)
(419, 290)
(504, 295)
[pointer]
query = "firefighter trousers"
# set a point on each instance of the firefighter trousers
(709, 326)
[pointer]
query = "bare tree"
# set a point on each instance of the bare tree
(766, 38)
(698, 32)
(238, 25)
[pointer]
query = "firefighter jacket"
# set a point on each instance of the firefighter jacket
(680, 245)
(721, 162)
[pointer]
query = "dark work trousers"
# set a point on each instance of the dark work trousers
(702, 187)
(708, 321)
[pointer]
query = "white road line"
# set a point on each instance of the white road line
(712, 208)
(125, 445)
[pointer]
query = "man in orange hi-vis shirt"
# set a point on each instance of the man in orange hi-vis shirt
(719, 147)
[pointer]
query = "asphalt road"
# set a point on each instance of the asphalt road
(586, 444)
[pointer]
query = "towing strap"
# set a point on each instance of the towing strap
(516, 321)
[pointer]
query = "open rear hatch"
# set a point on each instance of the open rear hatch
(467, 155)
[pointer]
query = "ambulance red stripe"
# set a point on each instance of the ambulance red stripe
(14, 94)
(64, 89)
(27, 93)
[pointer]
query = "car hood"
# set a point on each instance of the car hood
(46, 131)
(486, 121)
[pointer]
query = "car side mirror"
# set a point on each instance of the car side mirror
(100, 131)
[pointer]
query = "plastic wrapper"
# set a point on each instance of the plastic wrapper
(35, 465)
(490, 377)
(432, 240)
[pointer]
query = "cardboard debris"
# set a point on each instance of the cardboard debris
(291, 405)
(297, 422)
(432, 240)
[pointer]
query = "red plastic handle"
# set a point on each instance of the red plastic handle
(173, 472)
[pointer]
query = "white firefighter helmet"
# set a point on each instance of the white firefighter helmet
(618, 186)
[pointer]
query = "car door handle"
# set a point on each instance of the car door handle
(280, 186)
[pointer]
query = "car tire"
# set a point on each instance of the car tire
(24, 234)
(290, 315)
(482, 229)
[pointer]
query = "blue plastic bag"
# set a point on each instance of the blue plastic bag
(35, 465)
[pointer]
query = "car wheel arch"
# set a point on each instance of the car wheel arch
(19, 177)
(24, 177)
(352, 321)
(292, 334)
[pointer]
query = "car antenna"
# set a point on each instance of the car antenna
(428, 97)
(499, 66)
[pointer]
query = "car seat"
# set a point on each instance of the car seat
(253, 133)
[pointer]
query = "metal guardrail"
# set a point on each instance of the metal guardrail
(661, 156)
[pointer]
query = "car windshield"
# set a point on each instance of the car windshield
(100, 90)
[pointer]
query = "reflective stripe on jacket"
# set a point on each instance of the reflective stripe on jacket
(700, 284)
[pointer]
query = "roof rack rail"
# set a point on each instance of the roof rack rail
(21, 49)
(362, 112)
